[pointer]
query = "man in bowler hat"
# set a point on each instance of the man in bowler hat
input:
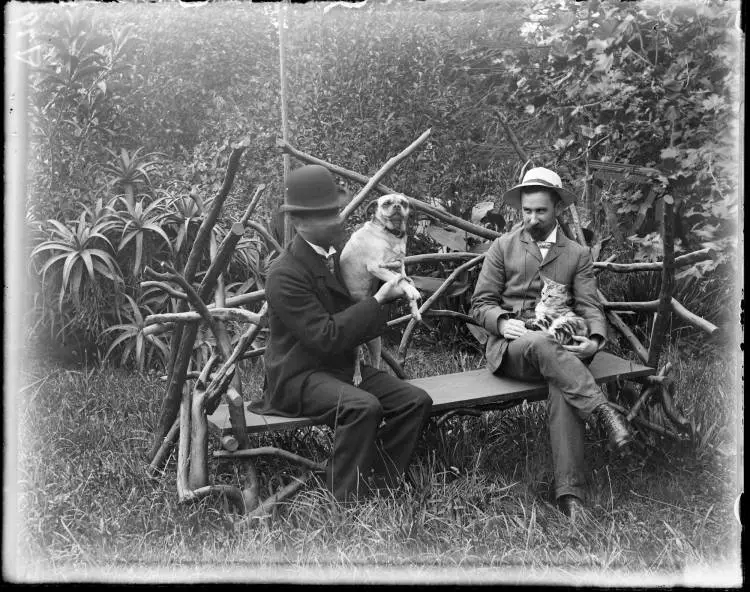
(508, 287)
(315, 327)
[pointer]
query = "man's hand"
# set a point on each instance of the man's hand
(390, 290)
(511, 328)
(585, 348)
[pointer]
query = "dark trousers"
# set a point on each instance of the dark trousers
(573, 395)
(363, 447)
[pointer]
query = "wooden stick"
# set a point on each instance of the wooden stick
(607, 260)
(648, 424)
(619, 324)
(223, 256)
(681, 261)
(288, 232)
(165, 287)
(234, 398)
(223, 314)
(648, 392)
(439, 257)
(243, 299)
(219, 293)
(194, 299)
(206, 371)
(233, 493)
(693, 319)
(179, 360)
(427, 303)
(461, 411)
(251, 486)
(664, 311)
(254, 201)
(648, 306)
(669, 408)
(435, 313)
(359, 198)
(244, 341)
(266, 235)
(198, 476)
(511, 135)
(273, 500)
(236, 408)
(183, 450)
(175, 380)
(577, 225)
(163, 451)
(253, 353)
(201, 238)
(413, 202)
(232, 301)
(271, 451)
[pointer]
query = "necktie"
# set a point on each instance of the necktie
(331, 264)
(544, 244)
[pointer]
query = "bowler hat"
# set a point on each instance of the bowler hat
(539, 177)
(311, 188)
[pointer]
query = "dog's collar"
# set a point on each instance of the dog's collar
(397, 233)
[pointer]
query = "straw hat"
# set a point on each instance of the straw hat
(539, 177)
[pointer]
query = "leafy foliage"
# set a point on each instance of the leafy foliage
(115, 93)
(131, 340)
(139, 226)
(647, 84)
(80, 254)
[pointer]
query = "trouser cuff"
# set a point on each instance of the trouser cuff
(575, 490)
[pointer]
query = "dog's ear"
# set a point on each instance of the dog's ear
(370, 209)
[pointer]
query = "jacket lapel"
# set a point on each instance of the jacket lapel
(317, 265)
(530, 246)
(556, 249)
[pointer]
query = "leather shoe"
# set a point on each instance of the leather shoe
(571, 505)
(615, 426)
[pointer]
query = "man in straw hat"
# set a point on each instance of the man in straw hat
(315, 327)
(508, 288)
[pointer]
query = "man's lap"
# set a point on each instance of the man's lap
(521, 353)
(324, 391)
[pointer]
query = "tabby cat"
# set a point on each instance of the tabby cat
(554, 314)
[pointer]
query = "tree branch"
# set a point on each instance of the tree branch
(413, 202)
(427, 303)
(359, 198)
(224, 314)
(681, 261)
(271, 451)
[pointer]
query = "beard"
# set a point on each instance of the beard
(537, 232)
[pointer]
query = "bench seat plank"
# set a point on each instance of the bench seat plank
(475, 388)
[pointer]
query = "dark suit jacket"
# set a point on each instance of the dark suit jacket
(510, 284)
(314, 325)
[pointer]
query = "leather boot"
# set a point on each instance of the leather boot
(571, 505)
(615, 426)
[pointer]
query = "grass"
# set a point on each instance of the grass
(478, 505)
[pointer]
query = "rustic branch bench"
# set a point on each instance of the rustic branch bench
(474, 389)
(192, 407)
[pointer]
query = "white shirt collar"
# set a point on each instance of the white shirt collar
(552, 238)
(320, 250)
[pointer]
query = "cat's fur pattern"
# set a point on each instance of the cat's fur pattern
(554, 314)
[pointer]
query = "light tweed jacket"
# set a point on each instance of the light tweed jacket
(510, 283)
